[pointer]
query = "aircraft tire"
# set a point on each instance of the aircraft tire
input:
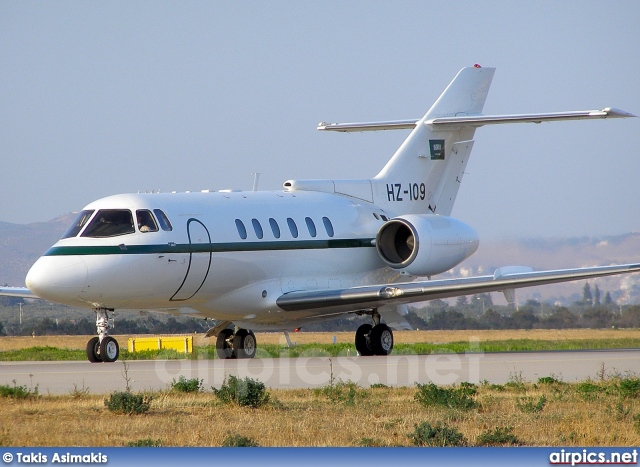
(109, 349)
(362, 344)
(223, 348)
(93, 350)
(244, 344)
(381, 339)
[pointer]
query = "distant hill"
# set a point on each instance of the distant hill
(21, 245)
(561, 253)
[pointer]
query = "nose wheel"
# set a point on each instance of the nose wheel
(103, 348)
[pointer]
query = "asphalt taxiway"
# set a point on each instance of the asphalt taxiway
(307, 372)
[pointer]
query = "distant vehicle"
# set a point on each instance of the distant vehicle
(318, 249)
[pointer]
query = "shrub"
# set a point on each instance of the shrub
(498, 437)
(630, 388)
(439, 435)
(340, 392)
(239, 441)
(245, 392)
(588, 390)
(548, 380)
(527, 404)
(187, 385)
(128, 403)
(455, 398)
(145, 443)
(17, 392)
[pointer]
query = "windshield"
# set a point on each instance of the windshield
(79, 222)
(110, 223)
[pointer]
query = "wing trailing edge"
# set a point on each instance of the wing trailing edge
(374, 296)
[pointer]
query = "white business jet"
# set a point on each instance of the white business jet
(278, 260)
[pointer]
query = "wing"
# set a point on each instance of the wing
(374, 296)
(19, 292)
(477, 120)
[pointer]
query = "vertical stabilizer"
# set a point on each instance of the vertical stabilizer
(424, 174)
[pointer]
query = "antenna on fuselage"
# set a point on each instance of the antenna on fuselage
(256, 177)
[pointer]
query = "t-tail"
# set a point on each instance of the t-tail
(425, 173)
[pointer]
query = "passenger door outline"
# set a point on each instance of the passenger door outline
(198, 267)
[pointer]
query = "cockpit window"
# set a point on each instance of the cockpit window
(146, 221)
(163, 220)
(110, 223)
(79, 222)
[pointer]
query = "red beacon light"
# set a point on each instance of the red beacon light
(476, 66)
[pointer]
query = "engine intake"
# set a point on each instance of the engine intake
(424, 245)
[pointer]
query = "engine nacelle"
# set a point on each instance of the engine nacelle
(424, 245)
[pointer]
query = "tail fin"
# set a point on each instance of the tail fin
(425, 172)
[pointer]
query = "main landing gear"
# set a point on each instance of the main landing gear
(376, 339)
(238, 344)
(103, 348)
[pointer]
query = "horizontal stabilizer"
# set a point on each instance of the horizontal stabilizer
(478, 120)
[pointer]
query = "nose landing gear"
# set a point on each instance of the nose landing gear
(103, 348)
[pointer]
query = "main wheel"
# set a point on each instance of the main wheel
(223, 348)
(244, 344)
(93, 350)
(381, 339)
(362, 341)
(109, 349)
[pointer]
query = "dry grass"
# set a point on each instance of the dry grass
(304, 418)
(404, 337)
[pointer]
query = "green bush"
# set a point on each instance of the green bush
(439, 435)
(187, 385)
(17, 392)
(341, 391)
(588, 390)
(145, 443)
(549, 380)
(460, 397)
(528, 405)
(630, 388)
(498, 437)
(245, 392)
(128, 403)
(239, 441)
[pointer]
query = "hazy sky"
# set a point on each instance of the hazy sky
(98, 98)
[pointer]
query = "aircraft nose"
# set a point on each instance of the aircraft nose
(59, 279)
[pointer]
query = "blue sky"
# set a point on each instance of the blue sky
(98, 98)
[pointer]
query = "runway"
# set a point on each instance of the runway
(394, 370)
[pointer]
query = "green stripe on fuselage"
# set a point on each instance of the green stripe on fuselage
(124, 249)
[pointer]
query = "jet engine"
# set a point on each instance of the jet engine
(424, 245)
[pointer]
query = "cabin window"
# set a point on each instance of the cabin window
(384, 218)
(146, 221)
(275, 228)
(163, 220)
(258, 228)
(311, 226)
(376, 216)
(79, 222)
(110, 223)
(242, 231)
(328, 226)
(292, 227)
